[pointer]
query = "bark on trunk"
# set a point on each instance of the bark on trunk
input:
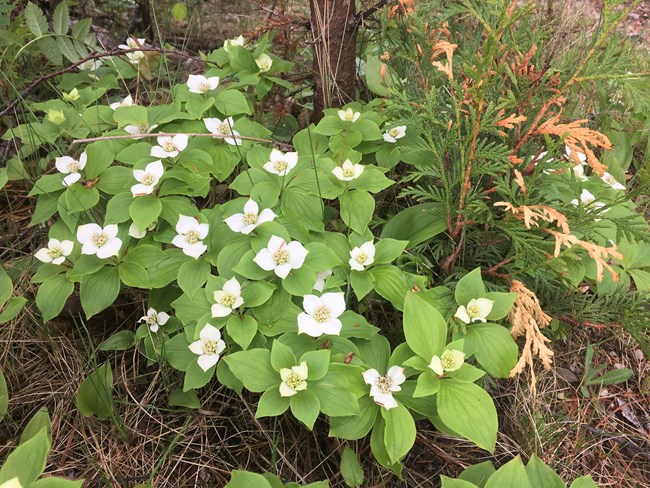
(334, 53)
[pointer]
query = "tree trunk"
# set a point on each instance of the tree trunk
(333, 31)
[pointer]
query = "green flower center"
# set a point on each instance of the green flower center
(250, 218)
(209, 347)
(228, 300)
(349, 115)
(384, 383)
(361, 258)
(321, 313)
(55, 252)
(281, 166)
(348, 173)
(99, 239)
(204, 87)
(72, 167)
(148, 179)
(293, 380)
(473, 311)
(191, 237)
(169, 146)
(447, 361)
(143, 128)
(610, 179)
(152, 226)
(152, 319)
(224, 129)
(281, 256)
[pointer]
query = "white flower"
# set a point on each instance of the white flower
(349, 115)
(208, 347)
(293, 380)
(127, 102)
(55, 252)
(136, 130)
(281, 163)
(281, 257)
(169, 146)
(264, 63)
(237, 41)
(450, 360)
(200, 84)
(227, 299)
(348, 171)
(154, 319)
(133, 43)
(102, 242)
(190, 236)
(589, 201)
(321, 314)
(223, 128)
(395, 133)
(579, 172)
(611, 181)
(577, 157)
(363, 256)
(72, 96)
(134, 231)
(90, 65)
(71, 167)
(320, 279)
(251, 218)
(477, 310)
(382, 387)
(148, 178)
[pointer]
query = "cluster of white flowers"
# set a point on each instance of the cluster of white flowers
(125, 102)
(71, 167)
(190, 236)
(134, 43)
(321, 314)
(208, 347)
(247, 221)
(391, 135)
(476, 310)
(200, 84)
(154, 320)
(281, 163)
(362, 256)
(281, 256)
(227, 299)
(348, 171)
(383, 387)
(169, 146)
(147, 178)
(224, 129)
(294, 379)
(450, 360)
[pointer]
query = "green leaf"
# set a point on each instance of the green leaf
(27, 461)
(52, 295)
(242, 330)
(493, 347)
(36, 20)
(329, 126)
(100, 156)
(253, 369)
(399, 433)
(541, 476)
(356, 426)
(362, 283)
(187, 399)
(379, 80)
(282, 356)
(503, 302)
(79, 198)
(55, 482)
(11, 309)
(256, 294)
(4, 396)
(40, 421)
(318, 363)
(351, 469)
(244, 479)
(231, 102)
(195, 377)
(120, 341)
(387, 250)
(271, 403)
(424, 328)
(510, 475)
(357, 208)
(469, 287)
(117, 208)
(133, 274)
(61, 18)
(145, 210)
(99, 290)
(584, 482)
(613, 377)
(428, 384)
(478, 473)
(468, 410)
(305, 406)
(336, 399)
(192, 275)
(94, 395)
(177, 353)
(455, 483)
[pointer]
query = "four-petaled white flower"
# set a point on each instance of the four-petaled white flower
(71, 167)
(237, 41)
(450, 360)
(228, 299)
(136, 130)
(320, 279)
(90, 65)
(133, 43)
(382, 387)
(200, 84)
(363, 256)
(588, 200)
(349, 115)
(190, 236)
(281, 163)
(395, 133)
(154, 319)
(348, 171)
(169, 146)
(251, 218)
(208, 347)
(321, 314)
(264, 63)
(294, 379)
(102, 242)
(55, 252)
(611, 181)
(223, 128)
(148, 178)
(127, 102)
(477, 310)
(281, 256)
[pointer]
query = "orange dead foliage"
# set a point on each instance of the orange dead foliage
(448, 49)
